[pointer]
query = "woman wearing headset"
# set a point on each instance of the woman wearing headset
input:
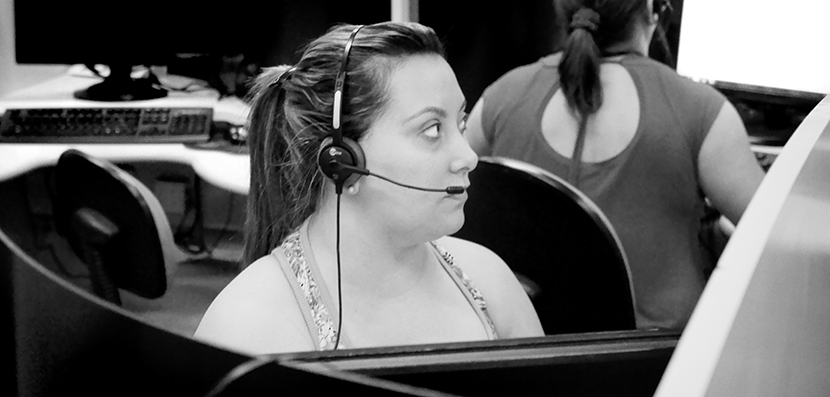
(358, 170)
(647, 145)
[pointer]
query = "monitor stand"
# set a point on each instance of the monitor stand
(120, 86)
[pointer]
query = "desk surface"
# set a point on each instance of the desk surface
(226, 170)
(761, 326)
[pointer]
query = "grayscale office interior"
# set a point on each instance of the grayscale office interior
(657, 227)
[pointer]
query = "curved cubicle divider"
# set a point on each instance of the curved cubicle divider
(761, 326)
(66, 340)
(69, 342)
(618, 363)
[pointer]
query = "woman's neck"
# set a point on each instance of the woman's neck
(628, 47)
(638, 43)
(370, 253)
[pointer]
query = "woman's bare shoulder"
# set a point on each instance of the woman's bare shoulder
(468, 253)
(508, 303)
(256, 313)
(466, 246)
(260, 280)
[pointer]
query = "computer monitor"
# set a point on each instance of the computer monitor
(768, 48)
(189, 35)
(760, 52)
(119, 35)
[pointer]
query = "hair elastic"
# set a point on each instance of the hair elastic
(585, 18)
(283, 76)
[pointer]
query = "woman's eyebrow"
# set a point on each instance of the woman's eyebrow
(429, 109)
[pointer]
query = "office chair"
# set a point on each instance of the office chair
(115, 225)
(559, 244)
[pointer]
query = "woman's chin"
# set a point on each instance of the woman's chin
(454, 223)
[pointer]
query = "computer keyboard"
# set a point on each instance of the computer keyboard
(107, 125)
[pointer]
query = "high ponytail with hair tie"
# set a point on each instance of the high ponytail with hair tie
(579, 77)
(585, 18)
(284, 76)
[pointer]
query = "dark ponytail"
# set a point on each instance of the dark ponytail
(579, 67)
(579, 77)
(593, 26)
(269, 149)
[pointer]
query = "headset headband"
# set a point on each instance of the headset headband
(337, 108)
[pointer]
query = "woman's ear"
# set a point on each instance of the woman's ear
(353, 189)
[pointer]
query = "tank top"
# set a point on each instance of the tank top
(302, 273)
(650, 191)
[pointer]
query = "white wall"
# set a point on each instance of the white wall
(12, 75)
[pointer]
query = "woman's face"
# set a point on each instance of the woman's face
(418, 140)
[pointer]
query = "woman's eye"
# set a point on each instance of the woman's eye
(462, 125)
(433, 131)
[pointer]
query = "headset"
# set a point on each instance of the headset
(664, 10)
(341, 159)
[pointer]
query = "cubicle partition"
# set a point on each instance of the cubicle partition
(628, 363)
(66, 341)
(63, 340)
(762, 326)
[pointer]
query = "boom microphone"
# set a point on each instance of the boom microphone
(363, 171)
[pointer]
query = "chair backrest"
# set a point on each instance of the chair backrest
(141, 255)
(557, 241)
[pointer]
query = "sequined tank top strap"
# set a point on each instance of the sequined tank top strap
(309, 293)
(468, 289)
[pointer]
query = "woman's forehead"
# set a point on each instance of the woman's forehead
(423, 81)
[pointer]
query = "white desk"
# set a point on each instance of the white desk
(762, 325)
(225, 170)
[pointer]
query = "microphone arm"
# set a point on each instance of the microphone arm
(364, 171)
(448, 189)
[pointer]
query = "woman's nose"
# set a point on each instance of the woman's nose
(466, 159)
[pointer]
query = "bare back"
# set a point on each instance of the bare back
(609, 131)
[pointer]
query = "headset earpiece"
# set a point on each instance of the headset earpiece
(662, 10)
(331, 158)
(341, 159)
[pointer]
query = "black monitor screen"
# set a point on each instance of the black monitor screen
(87, 31)
(117, 34)
(122, 35)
